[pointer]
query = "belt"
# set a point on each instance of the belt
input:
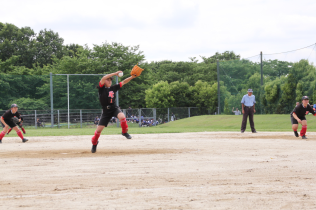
(109, 107)
(249, 106)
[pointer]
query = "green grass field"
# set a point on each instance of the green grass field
(203, 123)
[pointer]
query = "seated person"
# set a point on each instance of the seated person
(144, 123)
(113, 120)
(96, 120)
(39, 122)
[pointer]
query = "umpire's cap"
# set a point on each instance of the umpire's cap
(250, 90)
(305, 98)
(14, 105)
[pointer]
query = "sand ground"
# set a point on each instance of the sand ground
(206, 170)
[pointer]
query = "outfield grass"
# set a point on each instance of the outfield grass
(193, 124)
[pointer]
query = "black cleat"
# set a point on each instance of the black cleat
(296, 134)
(94, 148)
(242, 131)
(127, 135)
(0, 141)
(304, 137)
(24, 140)
(254, 131)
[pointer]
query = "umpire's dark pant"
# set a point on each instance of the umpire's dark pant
(248, 111)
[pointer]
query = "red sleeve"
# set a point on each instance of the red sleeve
(100, 84)
(121, 84)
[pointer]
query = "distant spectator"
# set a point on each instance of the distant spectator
(136, 119)
(172, 117)
(113, 120)
(297, 103)
(237, 112)
(96, 120)
(39, 122)
(129, 112)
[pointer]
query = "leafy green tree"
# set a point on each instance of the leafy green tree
(225, 56)
(17, 42)
(8, 66)
(273, 94)
(213, 98)
(202, 94)
(181, 93)
(235, 74)
(287, 101)
(226, 107)
(299, 92)
(159, 96)
(48, 45)
(29, 104)
(276, 68)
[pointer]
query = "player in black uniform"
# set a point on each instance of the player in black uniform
(107, 100)
(7, 121)
(298, 116)
(20, 124)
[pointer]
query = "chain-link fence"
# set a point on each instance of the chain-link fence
(86, 117)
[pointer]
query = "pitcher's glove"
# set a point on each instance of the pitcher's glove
(136, 71)
(15, 120)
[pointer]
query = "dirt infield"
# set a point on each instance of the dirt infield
(208, 170)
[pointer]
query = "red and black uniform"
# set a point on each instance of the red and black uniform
(109, 110)
(300, 112)
(107, 100)
(20, 124)
(7, 117)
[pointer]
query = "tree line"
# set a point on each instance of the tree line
(27, 58)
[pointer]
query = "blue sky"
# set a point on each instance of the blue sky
(176, 30)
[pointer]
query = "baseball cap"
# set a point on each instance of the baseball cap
(305, 98)
(13, 105)
(250, 90)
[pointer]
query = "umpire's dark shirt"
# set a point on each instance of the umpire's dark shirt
(8, 115)
(301, 111)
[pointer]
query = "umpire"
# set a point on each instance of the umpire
(248, 102)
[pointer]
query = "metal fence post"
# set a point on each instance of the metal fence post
(140, 117)
(80, 118)
(51, 100)
(68, 100)
(154, 113)
(124, 112)
(168, 115)
(189, 111)
(35, 119)
(261, 88)
(58, 118)
(218, 89)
